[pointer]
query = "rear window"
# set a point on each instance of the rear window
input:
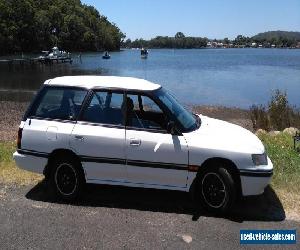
(58, 103)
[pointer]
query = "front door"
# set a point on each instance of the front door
(99, 138)
(154, 156)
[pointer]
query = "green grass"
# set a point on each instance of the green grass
(9, 172)
(6, 151)
(286, 161)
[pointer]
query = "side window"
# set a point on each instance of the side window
(150, 105)
(105, 108)
(59, 103)
(145, 113)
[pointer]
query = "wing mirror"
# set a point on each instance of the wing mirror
(172, 129)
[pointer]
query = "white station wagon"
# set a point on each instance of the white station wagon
(131, 132)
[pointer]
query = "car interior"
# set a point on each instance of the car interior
(60, 105)
(137, 115)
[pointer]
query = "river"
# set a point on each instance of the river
(227, 77)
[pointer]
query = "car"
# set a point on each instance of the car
(132, 132)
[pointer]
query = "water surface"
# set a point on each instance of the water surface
(228, 77)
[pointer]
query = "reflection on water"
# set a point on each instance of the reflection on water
(229, 77)
(19, 82)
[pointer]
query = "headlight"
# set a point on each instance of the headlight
(260, 159)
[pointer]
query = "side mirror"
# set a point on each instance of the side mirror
(171, 128)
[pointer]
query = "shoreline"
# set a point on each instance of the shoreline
(124, 49)
(11, 114)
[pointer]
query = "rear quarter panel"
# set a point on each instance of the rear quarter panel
(46, 135)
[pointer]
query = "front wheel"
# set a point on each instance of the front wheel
(67, 179)
(216, 190)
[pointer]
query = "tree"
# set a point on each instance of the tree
(226, 40)
(179, 35)
(26, 25)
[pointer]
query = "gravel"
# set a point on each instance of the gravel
(11, 114)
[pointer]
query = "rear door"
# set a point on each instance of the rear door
(99, 138)
(154, 157)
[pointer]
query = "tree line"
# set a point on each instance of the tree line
(34, 25)
(266, 39)
(178, 41)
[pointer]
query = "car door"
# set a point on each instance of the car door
(99, 138)
(154, 157)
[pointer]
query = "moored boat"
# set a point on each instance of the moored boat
(55, 53)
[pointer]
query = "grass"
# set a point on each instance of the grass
(9, 172)
(286, 161)
(285, 158)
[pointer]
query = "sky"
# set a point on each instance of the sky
(213, 19)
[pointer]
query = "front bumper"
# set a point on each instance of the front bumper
(255, 179)
(30, 163)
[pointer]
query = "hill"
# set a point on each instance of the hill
(277, 36)
(34, 25)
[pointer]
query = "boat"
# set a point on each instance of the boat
(45, 55)
(55, 53)
(144, 53)
(106, 55)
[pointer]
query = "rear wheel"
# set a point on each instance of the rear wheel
(216, 190)
(67, 179)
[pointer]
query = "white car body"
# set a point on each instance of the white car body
(137, 158)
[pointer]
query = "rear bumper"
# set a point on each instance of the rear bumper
(30, 163)
(254, 180)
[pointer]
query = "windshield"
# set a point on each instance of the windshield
(187, 120)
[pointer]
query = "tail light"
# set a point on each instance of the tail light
(19, 138)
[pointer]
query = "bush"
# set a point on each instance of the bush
(279, 111)
(277, 116)
(259, 117)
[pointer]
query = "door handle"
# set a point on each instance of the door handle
(135, 142)
(79, 137)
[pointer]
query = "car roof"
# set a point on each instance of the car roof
(91, 82)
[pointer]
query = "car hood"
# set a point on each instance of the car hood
(224, 136)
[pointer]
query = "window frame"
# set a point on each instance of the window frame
(41, 93)
(87, 102)
(156, 101)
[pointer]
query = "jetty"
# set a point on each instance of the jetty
(35, 60)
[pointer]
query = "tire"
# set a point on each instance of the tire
(216, 190)
(66, 179)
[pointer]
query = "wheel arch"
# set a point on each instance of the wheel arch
(228, 164)
(58, 154)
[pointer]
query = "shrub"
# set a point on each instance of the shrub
(259, 117)
(279, 111)
(277, 116)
